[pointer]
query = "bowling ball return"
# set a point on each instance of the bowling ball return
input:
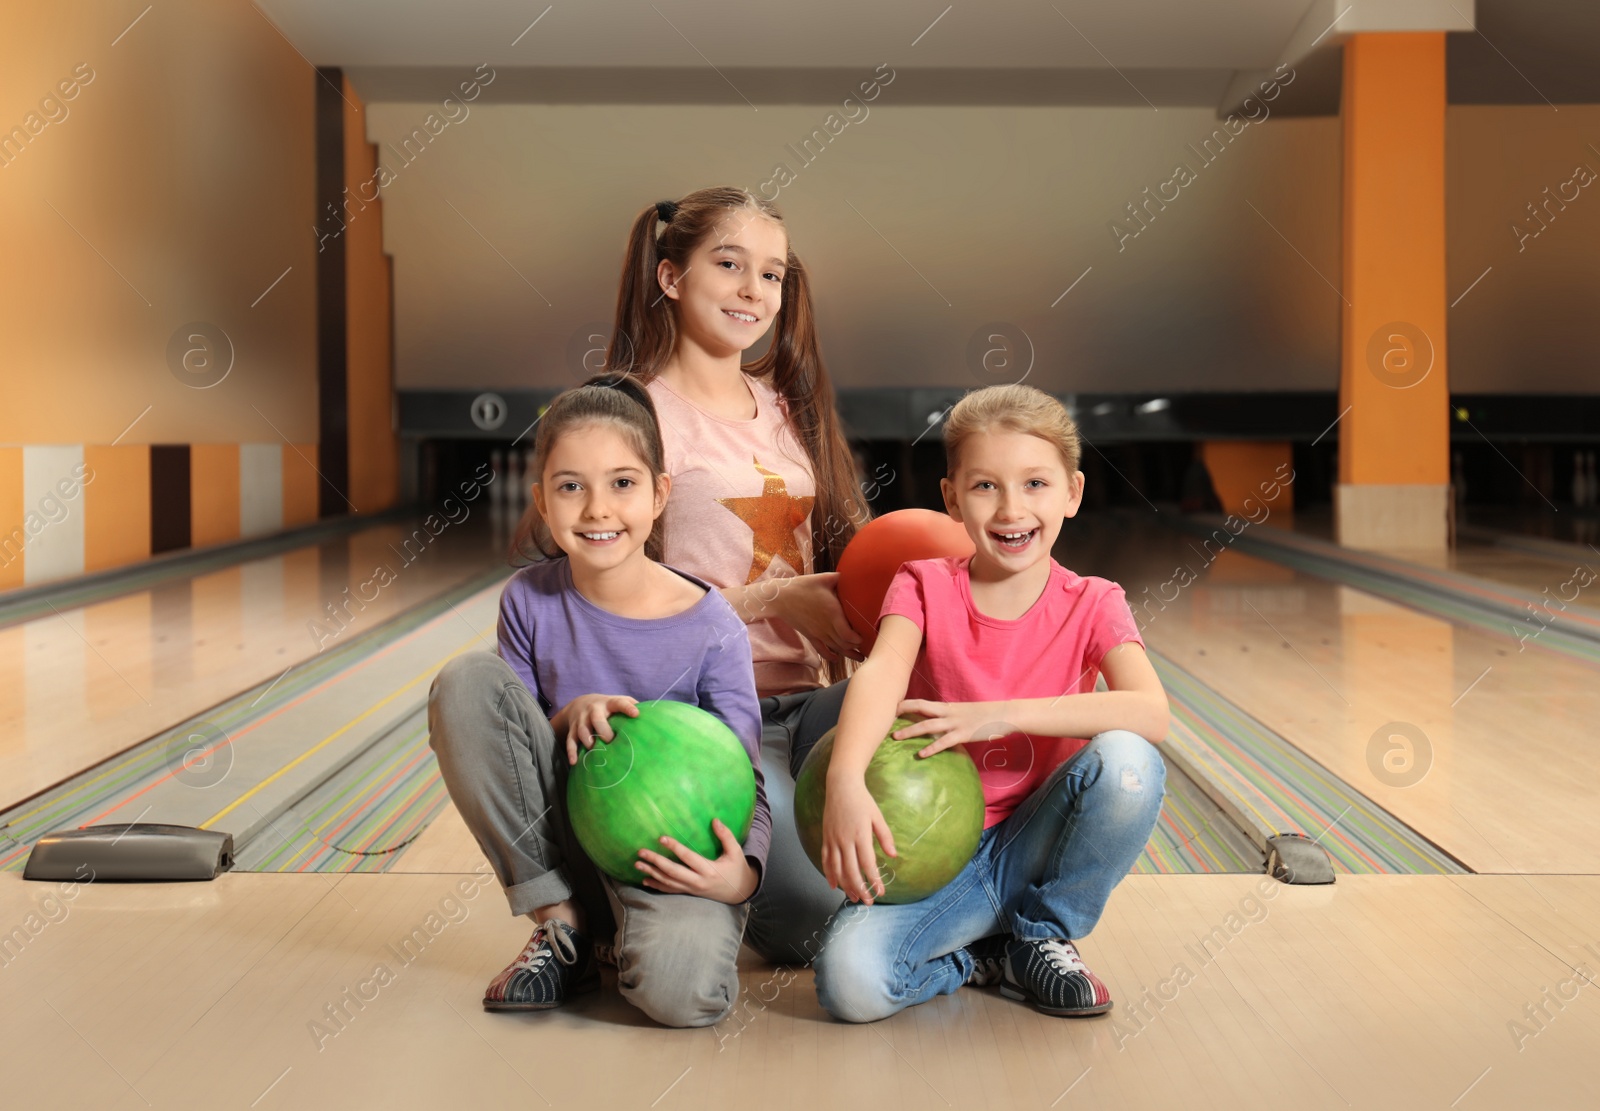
(140, 852)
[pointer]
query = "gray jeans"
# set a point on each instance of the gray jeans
(676, 954)
(789, 915)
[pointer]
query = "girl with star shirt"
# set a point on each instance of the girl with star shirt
(764, 488)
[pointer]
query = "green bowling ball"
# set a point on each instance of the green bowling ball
(934, 808)
(670, 771)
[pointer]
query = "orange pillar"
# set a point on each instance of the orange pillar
(1393, 389)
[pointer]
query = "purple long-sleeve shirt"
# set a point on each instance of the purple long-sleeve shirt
(561, 645)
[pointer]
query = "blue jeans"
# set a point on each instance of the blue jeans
(1046, 871)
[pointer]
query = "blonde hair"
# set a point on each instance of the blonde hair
(1013, 408)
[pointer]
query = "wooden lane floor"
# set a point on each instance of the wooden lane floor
(1578, 563)
(276, 991)
(85, 683)
(1565, 524)
(1551, 571)
(327, 768)
(1478, 742)
(1555, 578)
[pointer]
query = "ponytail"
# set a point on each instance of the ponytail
(646, 333)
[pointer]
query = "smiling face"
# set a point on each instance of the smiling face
(1012, 491)
(732, 287)
(597, 497)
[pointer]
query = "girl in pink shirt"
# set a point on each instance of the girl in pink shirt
(764, 488)
(998, 652)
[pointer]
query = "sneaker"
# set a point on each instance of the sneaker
(988, 960)
(557, 963)
(1048, 973)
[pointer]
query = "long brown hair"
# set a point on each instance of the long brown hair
(646, 333)
(606, 398)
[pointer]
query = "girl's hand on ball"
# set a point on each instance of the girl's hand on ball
(586, 719)
(949, 723)
(727, 879)
(850, 821)
(810, 604)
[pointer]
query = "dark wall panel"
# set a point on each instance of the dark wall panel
(169, 497)
(333, 418)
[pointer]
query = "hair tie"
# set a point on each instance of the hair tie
(666, 210)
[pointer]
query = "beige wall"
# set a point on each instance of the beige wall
(176, 187)
(1529, 324)
(996, 211)
(980, 215)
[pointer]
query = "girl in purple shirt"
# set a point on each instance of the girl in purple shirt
(584, 634)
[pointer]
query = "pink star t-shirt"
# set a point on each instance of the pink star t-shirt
(740, 512)
(967, 656)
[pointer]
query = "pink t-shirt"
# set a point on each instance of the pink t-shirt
(740, 512)
(1055, 648)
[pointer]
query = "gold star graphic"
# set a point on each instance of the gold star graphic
(772, 517)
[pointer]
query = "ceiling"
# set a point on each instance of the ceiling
(998, 34)
(1043, 52)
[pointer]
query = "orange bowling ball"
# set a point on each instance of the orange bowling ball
(876, 552)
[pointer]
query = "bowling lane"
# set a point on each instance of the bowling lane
(1535, 568)
(86, 682)
(1573, 566)
(1567, 524)
(1551, 576)
(1479, 746)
